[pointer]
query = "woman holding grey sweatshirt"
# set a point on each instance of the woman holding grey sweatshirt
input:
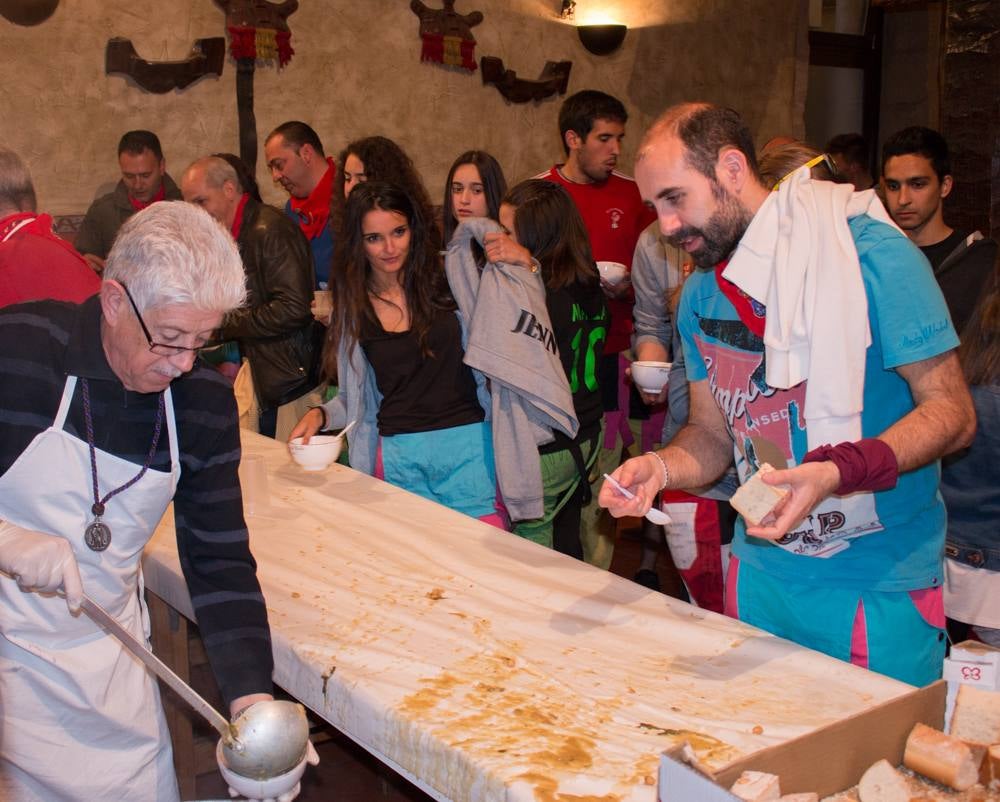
(543, 227)
(395, 342)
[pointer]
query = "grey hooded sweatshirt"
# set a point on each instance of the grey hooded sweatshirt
(510, 341)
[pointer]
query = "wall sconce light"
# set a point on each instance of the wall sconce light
(601, 39)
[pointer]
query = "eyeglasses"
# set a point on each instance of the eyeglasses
(158, 348)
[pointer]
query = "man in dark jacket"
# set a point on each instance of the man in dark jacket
(275, 329)
(144, 181)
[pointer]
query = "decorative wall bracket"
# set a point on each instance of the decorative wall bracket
(553, 79)
(447, 35)
(207, 58)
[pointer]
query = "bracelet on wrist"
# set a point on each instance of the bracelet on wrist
(663, 465)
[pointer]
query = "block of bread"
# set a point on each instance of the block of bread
(976, 717)
(757, 786)
(883, 783)
(944, 758)
(754, 500)
(807, 797)
(990, 775)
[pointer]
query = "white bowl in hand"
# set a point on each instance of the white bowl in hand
(267, 788)
(650, 377)
(321, 451)
(612, 272)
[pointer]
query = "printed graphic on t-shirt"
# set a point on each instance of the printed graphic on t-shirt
(615, 216)
(768, 425)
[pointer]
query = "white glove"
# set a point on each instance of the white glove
(42, 563)
(283, 788)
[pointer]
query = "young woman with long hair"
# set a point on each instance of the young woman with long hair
(474, 188)
(378, 158)
(396, 341)
(544, 226)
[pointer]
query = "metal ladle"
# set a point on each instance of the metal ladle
(265, 740)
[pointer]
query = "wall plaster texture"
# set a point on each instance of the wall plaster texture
(356, 72)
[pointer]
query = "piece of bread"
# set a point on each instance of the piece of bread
(990, 774)
(757, 786)
(976, 717)
(807, 797)
(754, 500)
(948, 760)
(882, 783)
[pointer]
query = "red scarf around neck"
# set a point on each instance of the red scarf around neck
(314, 210)
(750, 311)
(139, 205)
(238, 219)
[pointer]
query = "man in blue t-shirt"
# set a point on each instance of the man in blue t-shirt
(849, 562)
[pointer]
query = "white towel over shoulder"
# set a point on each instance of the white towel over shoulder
(798, 258)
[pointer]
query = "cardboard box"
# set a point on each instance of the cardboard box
(826, 760)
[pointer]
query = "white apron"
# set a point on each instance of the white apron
(80, 717)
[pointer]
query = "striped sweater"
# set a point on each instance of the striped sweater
(41, 344)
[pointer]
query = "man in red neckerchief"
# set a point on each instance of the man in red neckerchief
(296, 160)
(817, 342)
(34, 263)
(144, 181)
(274, 329)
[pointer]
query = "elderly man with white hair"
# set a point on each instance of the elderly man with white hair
(106, 416)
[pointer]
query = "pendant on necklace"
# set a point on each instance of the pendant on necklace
(97, 535)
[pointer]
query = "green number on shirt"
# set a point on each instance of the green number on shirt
(594, 340)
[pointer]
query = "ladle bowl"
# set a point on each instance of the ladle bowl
(269, 738)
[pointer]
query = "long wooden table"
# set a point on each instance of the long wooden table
(484, 667)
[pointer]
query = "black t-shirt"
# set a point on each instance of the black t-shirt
(963, 278)
(939, 251)
(580, 321)
(422, 393)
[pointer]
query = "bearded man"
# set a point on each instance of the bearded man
(816, 340)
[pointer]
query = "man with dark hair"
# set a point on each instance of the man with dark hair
(274, 329)
(850, 153)
(34, 262)
(144, 181)
(916, 178)
(592, 126)
(817, 343)
(297, 161)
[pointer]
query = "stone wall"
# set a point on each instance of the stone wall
(356, 71)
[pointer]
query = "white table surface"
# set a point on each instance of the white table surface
(485, 667)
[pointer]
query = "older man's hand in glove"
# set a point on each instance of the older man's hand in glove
(283, 788)
(40, 563)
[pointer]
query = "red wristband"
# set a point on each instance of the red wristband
(868, 464)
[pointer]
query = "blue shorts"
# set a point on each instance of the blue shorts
(900, 634)
(453, 467)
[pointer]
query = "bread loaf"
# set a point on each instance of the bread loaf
(807, 797)
(754, 500)
(757, 786)
(976, 717)
(943, 758)
(990, 775)
(882, 783)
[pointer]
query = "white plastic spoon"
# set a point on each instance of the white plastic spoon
(346, 429)
(658, 517)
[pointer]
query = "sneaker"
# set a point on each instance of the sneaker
(647, 578)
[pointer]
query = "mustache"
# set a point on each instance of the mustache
(685, 233)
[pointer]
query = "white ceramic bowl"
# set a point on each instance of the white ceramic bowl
(321, 451)
(650, 377)
(269, 788)
(612, 272)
